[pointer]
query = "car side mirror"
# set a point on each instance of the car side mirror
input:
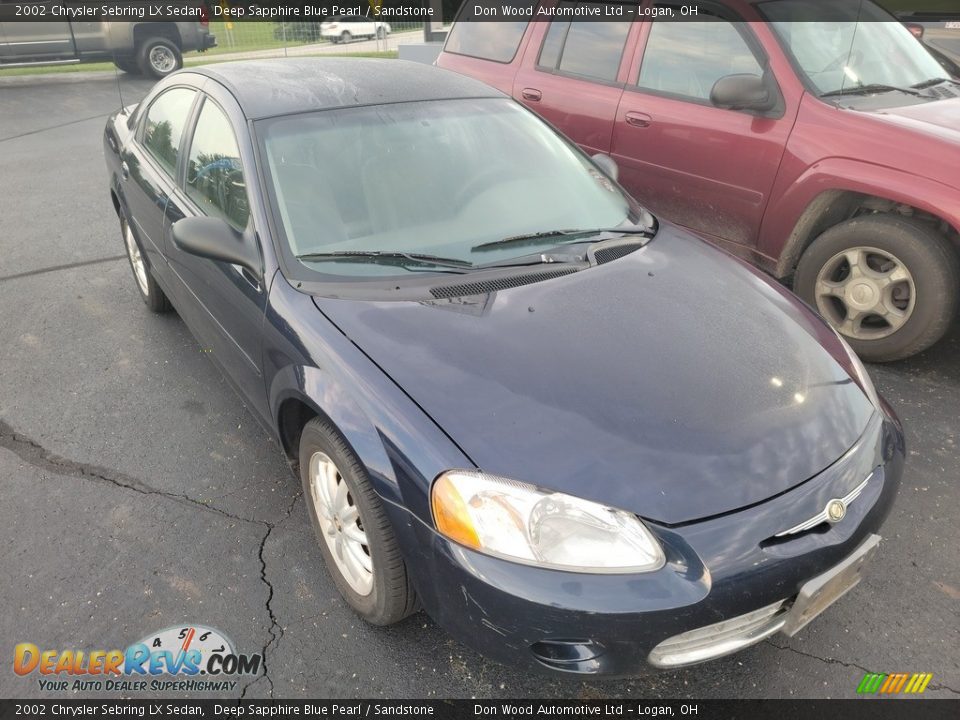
(743, 92)
(607, 164)
(214, 239)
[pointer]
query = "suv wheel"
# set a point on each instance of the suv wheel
(345, 36)
(158, 57)
(889, 284)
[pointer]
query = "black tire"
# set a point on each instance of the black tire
(153, 297)
(128, 65)
(926, 254)
(157, 57)
(392, 597)
(345, 36)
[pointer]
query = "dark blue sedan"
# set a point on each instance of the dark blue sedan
(579, 437)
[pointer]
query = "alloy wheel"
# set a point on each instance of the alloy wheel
(162, 59)
(866, 293)
(340, 523)
(136, 259)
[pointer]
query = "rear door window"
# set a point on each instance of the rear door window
(497, 41)
(588, 49)
(215, 180)
(163, 126)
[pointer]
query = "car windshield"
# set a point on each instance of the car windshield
(849, 44)
(434, 178)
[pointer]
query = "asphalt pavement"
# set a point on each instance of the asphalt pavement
(139, 493)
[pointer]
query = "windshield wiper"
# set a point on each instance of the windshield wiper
(933, 81)
(390, 258)
(535, 238)
(873, 88)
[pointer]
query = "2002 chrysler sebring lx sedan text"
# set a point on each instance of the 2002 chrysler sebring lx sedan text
(583, 439)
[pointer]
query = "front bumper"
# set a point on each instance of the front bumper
(717, 570)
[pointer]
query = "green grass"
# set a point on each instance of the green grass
(56, 69)
(108, 66)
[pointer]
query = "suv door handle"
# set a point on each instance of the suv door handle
(638, 119)
(124, 170)
(531, 94)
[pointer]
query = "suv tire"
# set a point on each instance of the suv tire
(889, 284)
(128, 65)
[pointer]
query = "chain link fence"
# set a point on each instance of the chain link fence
(237, 40)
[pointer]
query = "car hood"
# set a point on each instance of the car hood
(939, 119)
(676, 382)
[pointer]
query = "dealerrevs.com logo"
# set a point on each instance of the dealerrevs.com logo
(190, 658)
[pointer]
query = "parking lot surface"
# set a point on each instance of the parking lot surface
(140, 494)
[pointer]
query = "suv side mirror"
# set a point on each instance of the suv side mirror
(214, 239)
(743, 92)
(607, 164)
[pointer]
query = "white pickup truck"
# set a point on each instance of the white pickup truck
(152, 48)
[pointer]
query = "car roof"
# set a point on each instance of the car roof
(282, 86)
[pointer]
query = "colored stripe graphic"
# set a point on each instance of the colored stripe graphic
(871, 683)
(894, 683)
(927, 677)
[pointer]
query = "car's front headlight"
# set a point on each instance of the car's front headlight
(519, 522)
(861, 375)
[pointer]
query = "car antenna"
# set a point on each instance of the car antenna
(116, 73)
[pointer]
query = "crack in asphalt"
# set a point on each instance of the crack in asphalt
(37, 131)
(67, 266)
(276, 629)
(834, 661)
(35, 455)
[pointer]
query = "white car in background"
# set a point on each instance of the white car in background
(344, 28)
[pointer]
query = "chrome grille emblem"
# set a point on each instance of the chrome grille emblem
(834, 512)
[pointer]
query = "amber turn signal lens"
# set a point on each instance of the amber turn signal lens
(450, 514)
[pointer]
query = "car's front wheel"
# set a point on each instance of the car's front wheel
(158, 57)
(889, 284)
(345, 37)
(352, 528)
(151, 293)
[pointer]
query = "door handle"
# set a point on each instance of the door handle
(124, 170)
(638, 119)
(248, 276)
(531, 94)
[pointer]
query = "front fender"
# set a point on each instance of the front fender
(791, 218)
(308, 359)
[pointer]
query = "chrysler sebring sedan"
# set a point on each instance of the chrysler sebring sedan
(580, 438)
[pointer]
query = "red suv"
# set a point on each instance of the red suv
(820, 141)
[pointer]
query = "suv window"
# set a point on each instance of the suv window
(497, 41)
(590, 49)
(214, 174)
(686, 58)
(163, 126)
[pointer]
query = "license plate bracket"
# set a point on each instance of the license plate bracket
(817, 594)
